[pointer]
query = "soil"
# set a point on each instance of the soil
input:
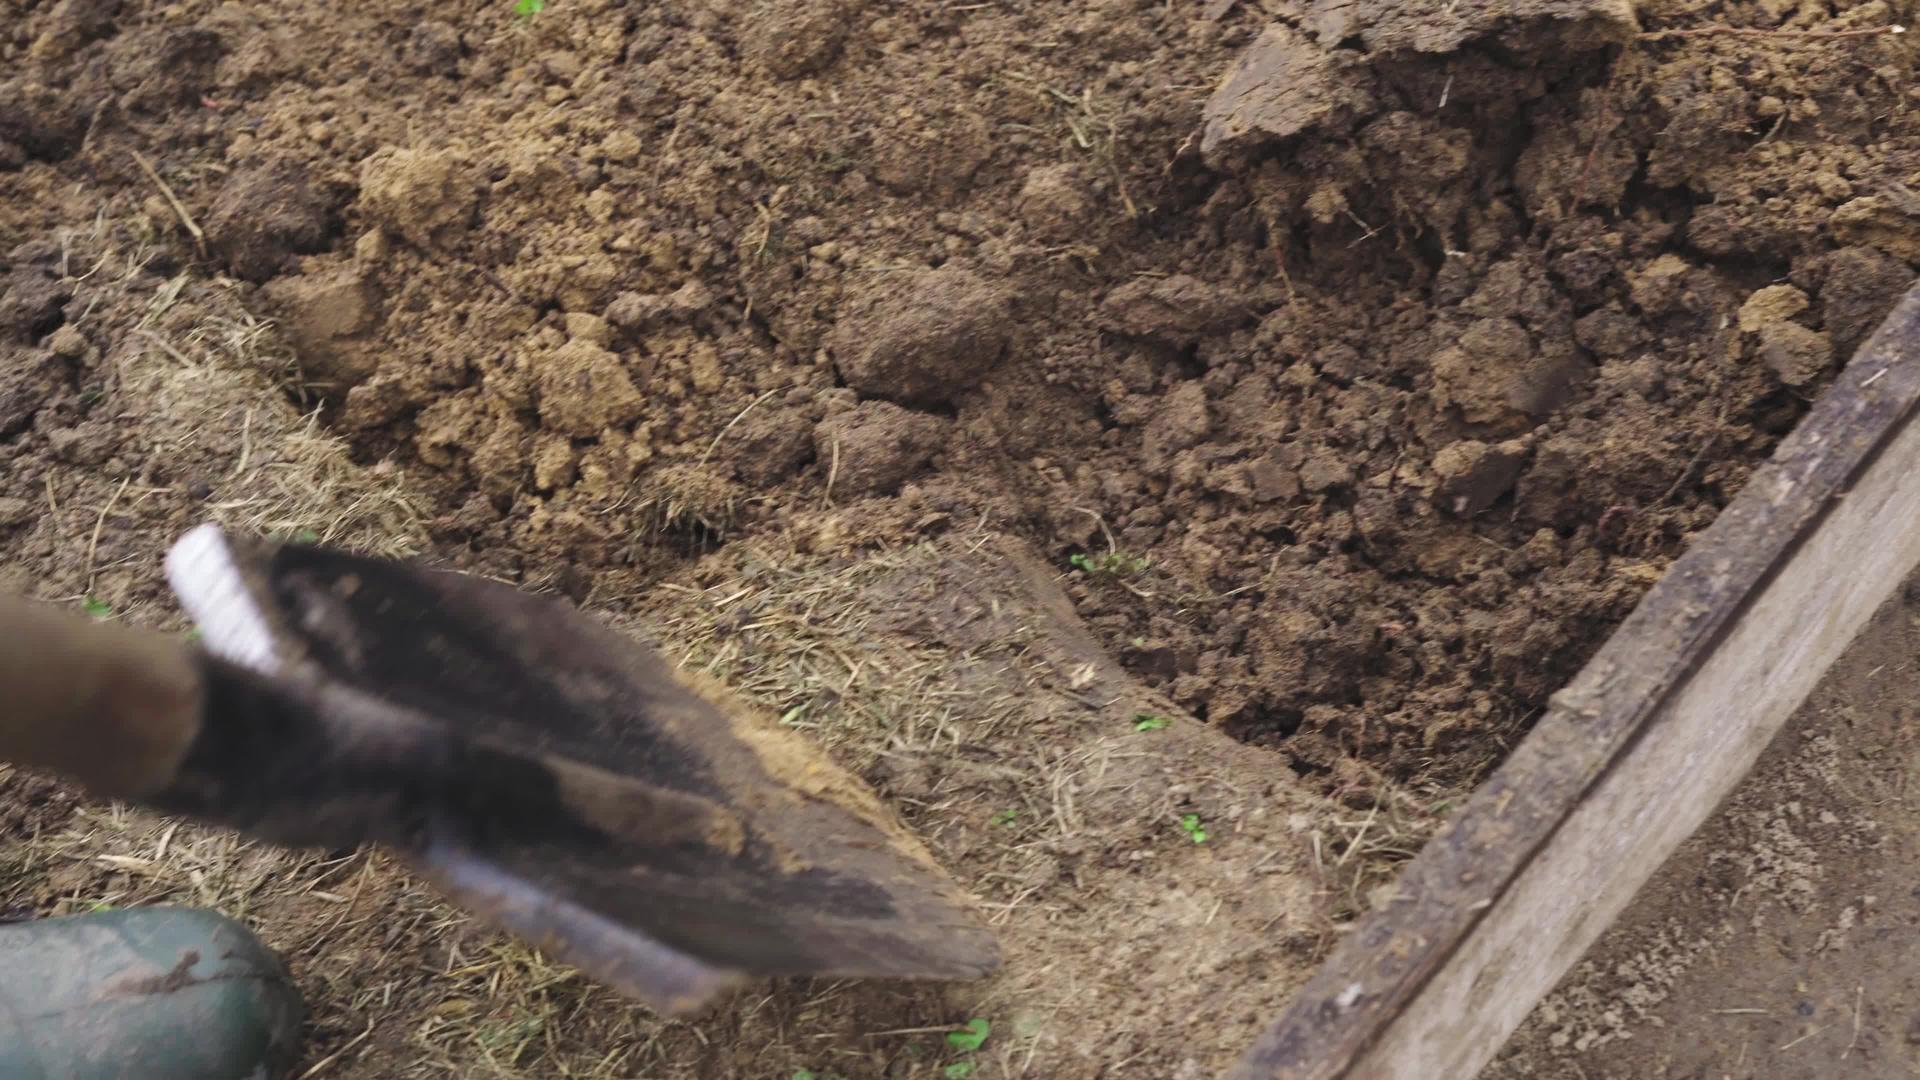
(1778, 942)
(1353, 367)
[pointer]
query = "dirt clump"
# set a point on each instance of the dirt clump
(582, 389)
(1178, 309)
(790, 40)
(264, 216)
(427, 196)
(875, 446)
(921, 339)
(326, 315)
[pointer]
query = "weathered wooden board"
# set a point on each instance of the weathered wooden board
(1635, 753)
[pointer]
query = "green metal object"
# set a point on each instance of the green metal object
(158, 993)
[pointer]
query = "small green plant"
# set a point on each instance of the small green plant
(965, 1041)
(527, 9)
(1195, 829)
(306, 536)
(1148, 722)
(971, 1037)
(1006, 817)
(193, 633)
(803, 1074)
(96, 607)
(1116, 563)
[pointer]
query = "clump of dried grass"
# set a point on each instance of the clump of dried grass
(690, 500)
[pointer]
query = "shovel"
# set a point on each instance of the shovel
(550, 775)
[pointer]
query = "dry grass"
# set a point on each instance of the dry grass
(959, 715)
(691, 501)
(1358, 855)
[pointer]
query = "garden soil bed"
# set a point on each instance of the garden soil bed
(1778, 942)
(1325, 378)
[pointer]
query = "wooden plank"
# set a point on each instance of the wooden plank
(1634, 753)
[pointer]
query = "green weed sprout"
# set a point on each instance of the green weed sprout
(527, 9)
(1115, 563)
(1006, 817)
(96, 607)
(1149, 722)
(1196, 830)
(966, 1041)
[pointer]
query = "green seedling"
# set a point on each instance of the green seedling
(96, 607)
(1195, 829)
(965, 1041)
(1149, 722)
(803, 1074)
(1116, 563)
(1006, 817)
(527, 9)
(306, 536)
(971, 1037)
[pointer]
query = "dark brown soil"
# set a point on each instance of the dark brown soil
(1404, 383)
(1358, 365)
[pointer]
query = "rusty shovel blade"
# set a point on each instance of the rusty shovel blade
(553, 776)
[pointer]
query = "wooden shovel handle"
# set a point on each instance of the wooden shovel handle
(109, 706)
